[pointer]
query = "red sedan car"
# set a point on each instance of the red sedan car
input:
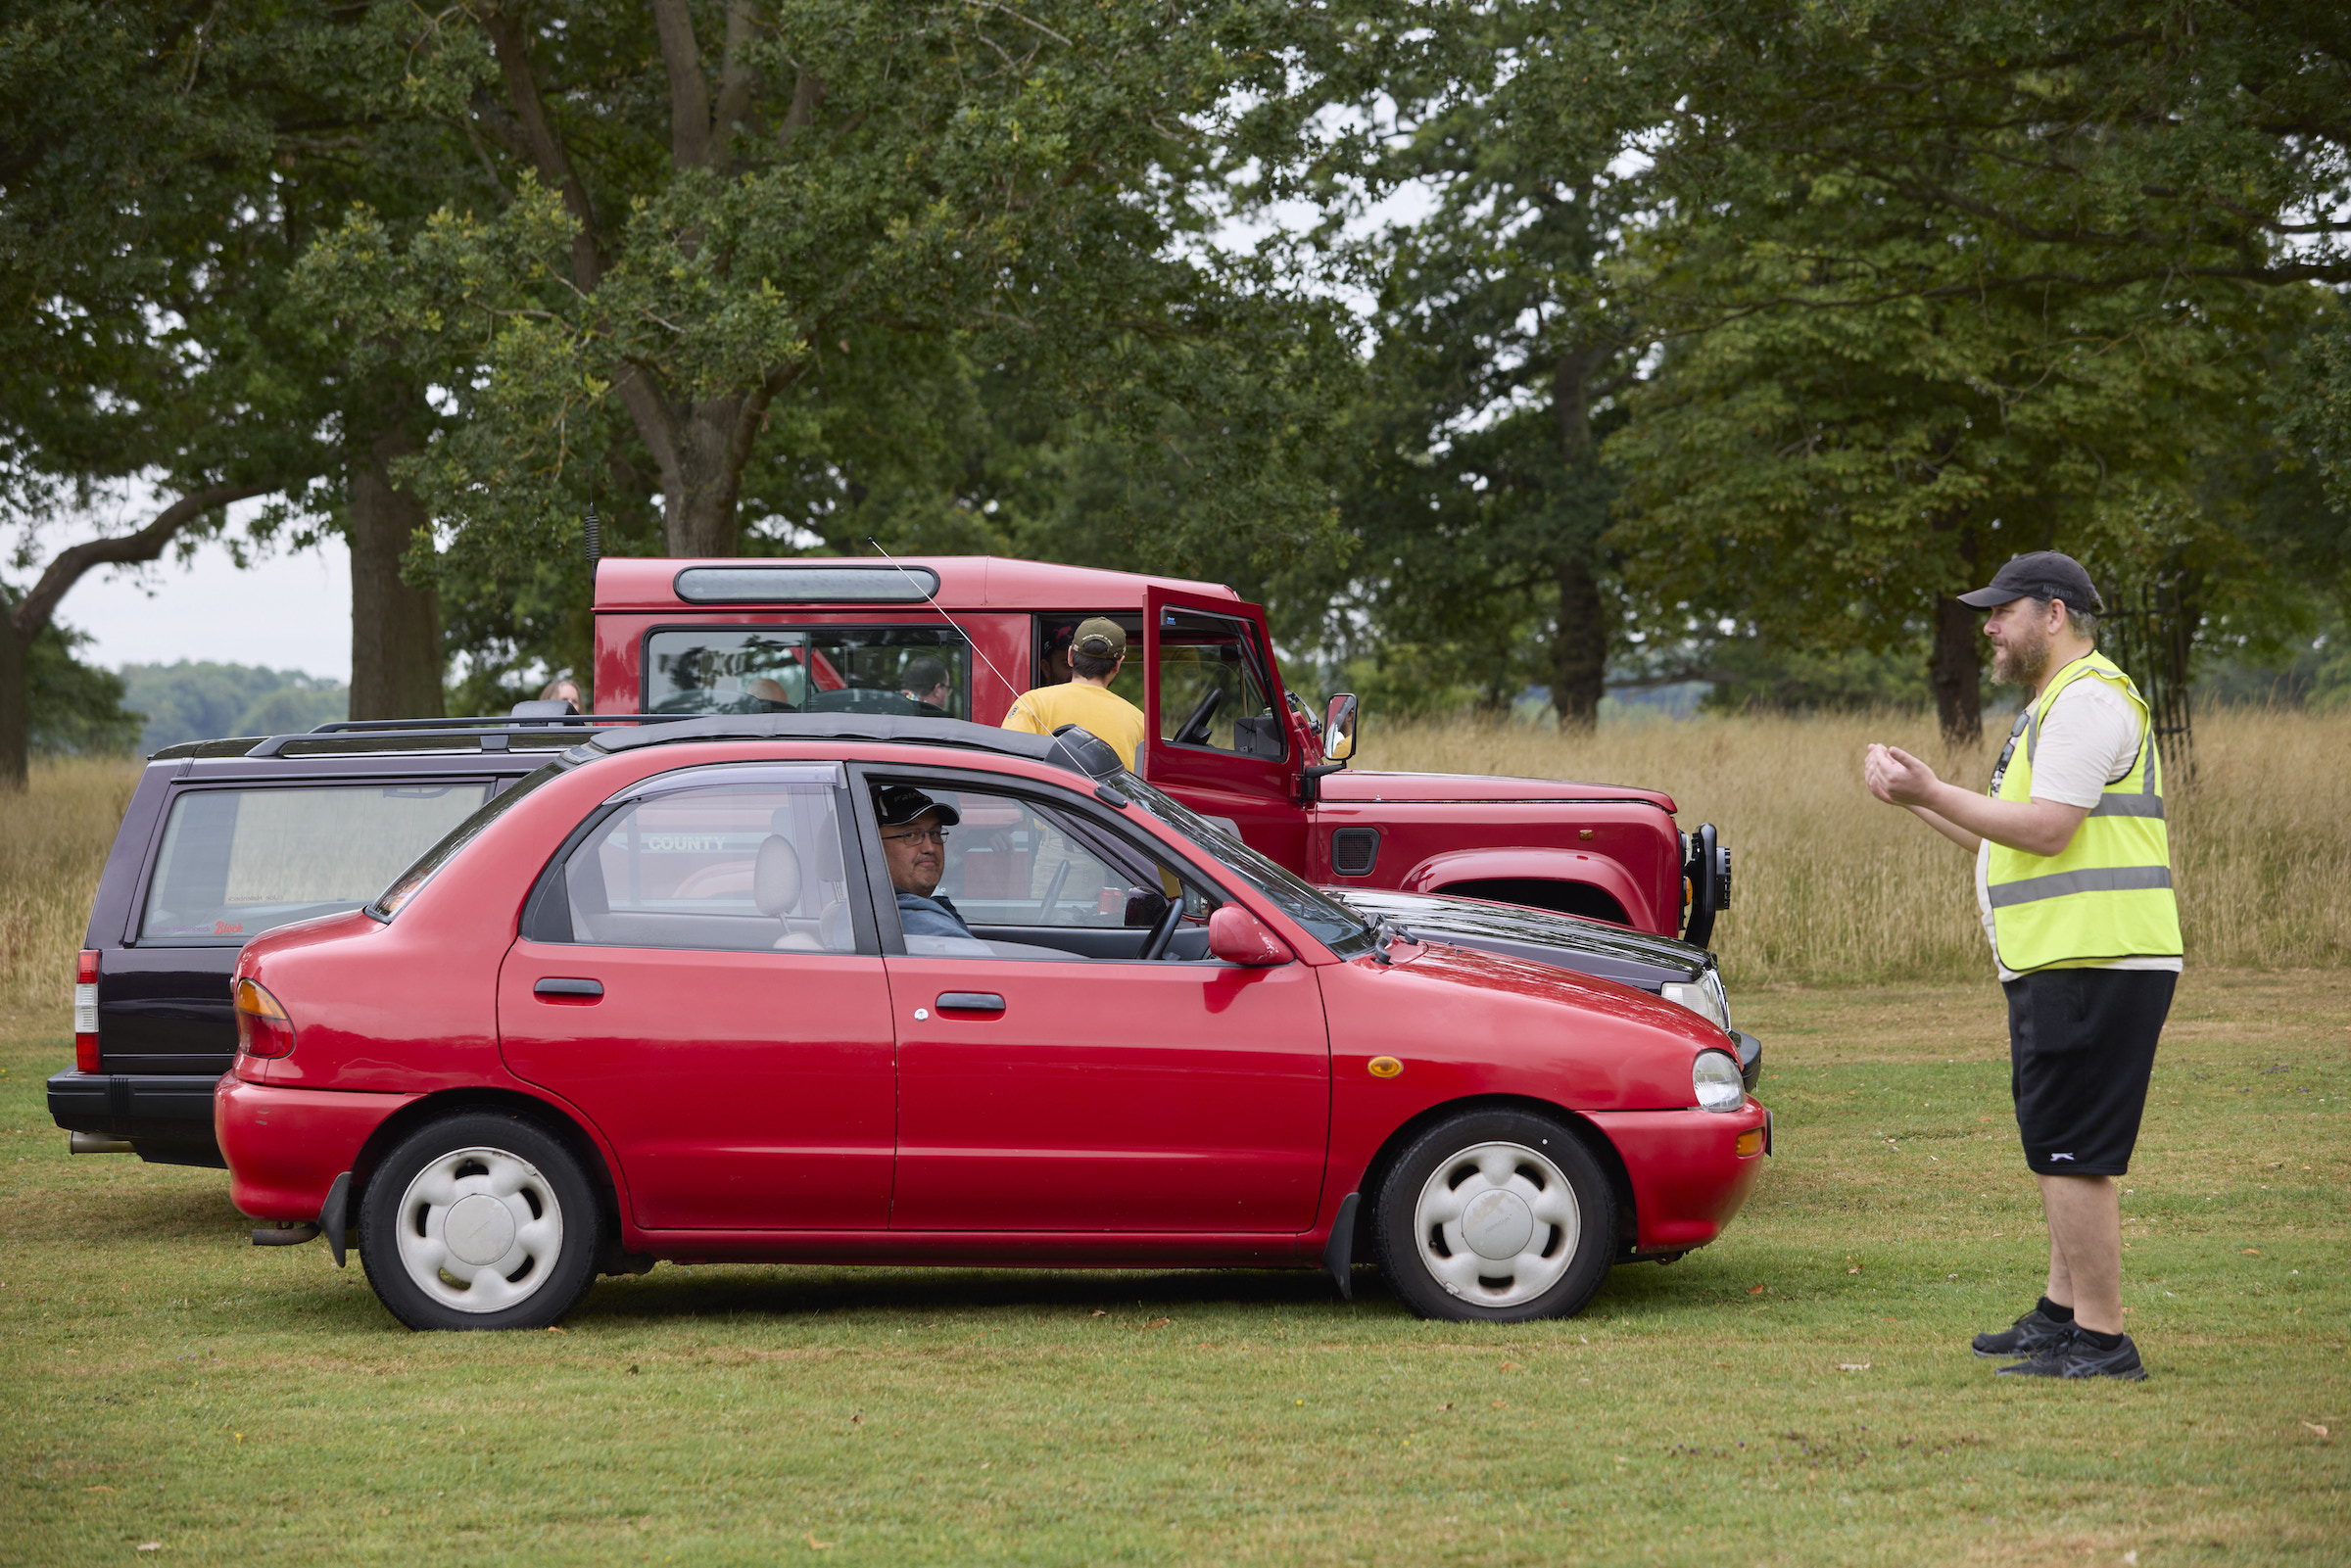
(845, 988)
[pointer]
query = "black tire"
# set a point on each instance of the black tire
(413, 1206)
(1551, 1190)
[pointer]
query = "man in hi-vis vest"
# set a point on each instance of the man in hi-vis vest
(2074, 875)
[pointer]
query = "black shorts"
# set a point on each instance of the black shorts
(2080, 1047)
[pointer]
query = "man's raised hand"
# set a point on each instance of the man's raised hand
(1898, 778)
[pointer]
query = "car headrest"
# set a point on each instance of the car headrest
(828, 868)
(776, 877)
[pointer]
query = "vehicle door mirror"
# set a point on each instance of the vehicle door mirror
(1236, 937)
(1338, 728)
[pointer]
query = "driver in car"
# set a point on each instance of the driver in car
(914, 841)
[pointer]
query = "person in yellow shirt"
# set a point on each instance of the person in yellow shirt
(1096, 650)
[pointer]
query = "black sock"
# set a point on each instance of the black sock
(2097, 1341)
(2055, 1312)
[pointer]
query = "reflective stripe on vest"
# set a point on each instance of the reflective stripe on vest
(2108, 893)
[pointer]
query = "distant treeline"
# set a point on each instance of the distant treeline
(193, 701)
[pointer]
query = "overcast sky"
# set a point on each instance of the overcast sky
(288, 612)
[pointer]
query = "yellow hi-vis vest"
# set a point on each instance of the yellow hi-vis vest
(2108, 893)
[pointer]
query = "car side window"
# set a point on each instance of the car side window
(235, 863)
(1211, 691)
(1031, 881)
(743, 868)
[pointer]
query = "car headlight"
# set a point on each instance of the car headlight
(1703, 996)
(1714, 1079)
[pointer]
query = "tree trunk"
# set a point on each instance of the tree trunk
(396, 664)
(701, 478)
(1579, 652)
(16, 711)
(1955, 674)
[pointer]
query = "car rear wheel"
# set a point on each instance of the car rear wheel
(1496, 1216)
(479, 1220)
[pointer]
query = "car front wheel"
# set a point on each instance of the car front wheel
(479, 1220)
(1496, 1216)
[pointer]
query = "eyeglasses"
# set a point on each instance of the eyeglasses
(920, 836)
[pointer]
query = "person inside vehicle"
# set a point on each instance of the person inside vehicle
(563, 688)
(914, 842)
(925, 679)
(1096, 652)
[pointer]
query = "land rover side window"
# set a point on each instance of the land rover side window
(916, 670)
(236, 863)
(1211, 690)
(1053, 634)
(738, 867)
(1022, 875)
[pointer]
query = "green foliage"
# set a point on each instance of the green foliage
(73, 709)
(200, 700)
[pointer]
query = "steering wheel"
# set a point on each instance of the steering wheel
(1193, 731)
(1045, 911)
(1163, 932)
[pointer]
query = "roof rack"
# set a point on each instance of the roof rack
(493, 734)
(1070, 747)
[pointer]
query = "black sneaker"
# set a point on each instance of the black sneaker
(2078, 1358)
(2031, 1335)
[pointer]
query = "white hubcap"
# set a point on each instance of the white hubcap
(480, 1230)
(1498, 1224)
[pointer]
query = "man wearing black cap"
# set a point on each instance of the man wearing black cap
(2074, 878)
(1098, 649)
(914, 843)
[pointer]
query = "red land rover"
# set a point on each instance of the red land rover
(962, 637)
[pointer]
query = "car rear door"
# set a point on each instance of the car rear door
(1217, 739)
(695, 976)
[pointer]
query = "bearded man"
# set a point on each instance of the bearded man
(2074, 878)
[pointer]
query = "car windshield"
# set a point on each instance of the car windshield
(1337, 927)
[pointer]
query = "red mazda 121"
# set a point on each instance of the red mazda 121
(852, 988)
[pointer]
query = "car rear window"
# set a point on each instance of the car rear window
(922, 671)
(236, 863)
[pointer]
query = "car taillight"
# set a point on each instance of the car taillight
(263, 1027)
(86, 1010)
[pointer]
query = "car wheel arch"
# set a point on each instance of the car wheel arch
(551, 1118)
(1597, 1143)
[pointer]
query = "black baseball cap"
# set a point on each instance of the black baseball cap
(2044, 574)
(899, 804)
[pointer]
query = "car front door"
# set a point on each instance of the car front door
(697, 974)
(1051, 1079)
(1215, 735)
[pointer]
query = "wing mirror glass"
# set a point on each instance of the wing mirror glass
(1236, 937)
(1338, 728)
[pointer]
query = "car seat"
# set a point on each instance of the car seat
(779, 887)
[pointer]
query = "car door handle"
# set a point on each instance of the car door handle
(970, 1001)
(569, 990)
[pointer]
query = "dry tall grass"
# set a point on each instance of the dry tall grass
(1830, 884)
(53, 844)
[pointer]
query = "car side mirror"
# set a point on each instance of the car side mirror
(1338, 728)
(1236, 937)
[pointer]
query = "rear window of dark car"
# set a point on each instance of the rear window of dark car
(238, 861)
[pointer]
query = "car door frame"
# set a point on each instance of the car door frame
(1259, 794)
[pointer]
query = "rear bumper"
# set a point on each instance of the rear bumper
(166, 1116)
(285, 1147)
(1688, 1177)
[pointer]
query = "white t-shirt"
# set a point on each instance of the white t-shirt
(2088, 739)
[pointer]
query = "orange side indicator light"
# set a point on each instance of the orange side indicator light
(1384, 1066)
(1750, 1142)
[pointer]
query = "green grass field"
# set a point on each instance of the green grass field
(1799, 1393)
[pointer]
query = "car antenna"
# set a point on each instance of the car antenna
(944, 615)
